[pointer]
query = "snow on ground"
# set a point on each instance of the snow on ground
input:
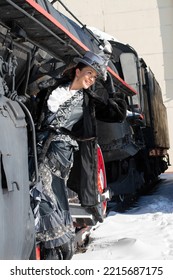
(145, 232)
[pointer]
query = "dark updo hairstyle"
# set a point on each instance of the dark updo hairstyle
(70, 73)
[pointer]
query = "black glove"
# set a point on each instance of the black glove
(109, 85)
(117, 108)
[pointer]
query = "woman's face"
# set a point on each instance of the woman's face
(85, 77)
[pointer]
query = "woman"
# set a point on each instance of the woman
(68, 105)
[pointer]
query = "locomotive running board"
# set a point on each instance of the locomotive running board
(80, 215)
(51, 31)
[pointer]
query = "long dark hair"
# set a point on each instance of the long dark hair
(70, 73)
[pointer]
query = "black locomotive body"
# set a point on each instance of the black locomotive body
(36, 44)
(135, 151)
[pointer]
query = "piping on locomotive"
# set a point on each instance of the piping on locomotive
(36, 44)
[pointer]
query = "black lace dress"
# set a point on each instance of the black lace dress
(53, 221)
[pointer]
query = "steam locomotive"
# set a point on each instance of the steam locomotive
(37, 42)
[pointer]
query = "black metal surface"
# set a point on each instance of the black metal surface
(158, 115)
(17, 225)
(52, 31)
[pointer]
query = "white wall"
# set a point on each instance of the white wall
(146, 25)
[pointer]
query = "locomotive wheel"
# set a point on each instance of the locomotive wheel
(63, 252)
(100, 209)
(53, 254)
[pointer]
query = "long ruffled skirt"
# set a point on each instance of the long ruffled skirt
(54, 226)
